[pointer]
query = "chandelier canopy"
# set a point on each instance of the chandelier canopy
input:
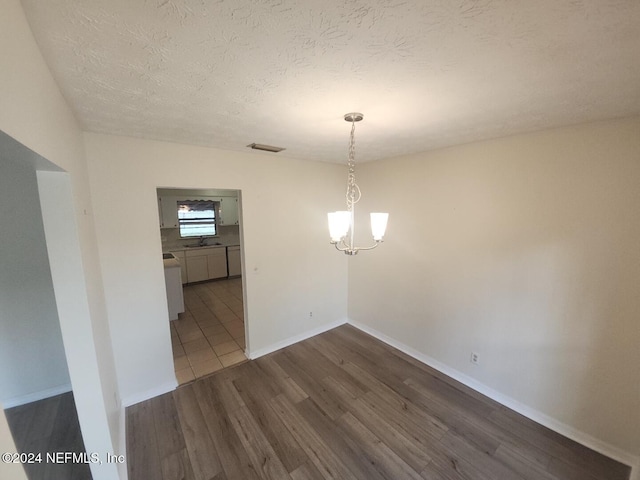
(341, 224)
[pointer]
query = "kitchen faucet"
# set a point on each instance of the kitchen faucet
(203, 241)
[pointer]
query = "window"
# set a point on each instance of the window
(197, 218)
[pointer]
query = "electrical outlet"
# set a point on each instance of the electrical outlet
(310, 314)
(475, 358)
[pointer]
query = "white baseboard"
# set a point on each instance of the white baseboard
(35, 396)
(295, 339)
(538, 417)
(142, 396)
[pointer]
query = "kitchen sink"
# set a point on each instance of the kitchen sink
(217, 244)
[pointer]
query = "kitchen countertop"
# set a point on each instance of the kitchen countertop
(171, 263)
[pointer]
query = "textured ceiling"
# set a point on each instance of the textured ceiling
(425, 73)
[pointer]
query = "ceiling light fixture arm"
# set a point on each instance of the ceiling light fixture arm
(348, 250)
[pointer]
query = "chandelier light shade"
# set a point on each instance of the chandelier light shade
(341, 224)
(379, 225)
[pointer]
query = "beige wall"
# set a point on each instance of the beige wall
(526, 251)
(290, 268)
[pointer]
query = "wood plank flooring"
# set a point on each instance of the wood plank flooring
(343, 405)
(48, 426)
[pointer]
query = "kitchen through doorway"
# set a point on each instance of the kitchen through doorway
(201, 235)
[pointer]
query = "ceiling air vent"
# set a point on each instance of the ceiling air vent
(266, 148)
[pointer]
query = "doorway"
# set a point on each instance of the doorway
(34, 378)
(44, 316)
(201, 230)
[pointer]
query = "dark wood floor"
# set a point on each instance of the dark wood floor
(49, 425)
(343, 405)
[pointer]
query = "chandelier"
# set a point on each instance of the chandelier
(341, 224)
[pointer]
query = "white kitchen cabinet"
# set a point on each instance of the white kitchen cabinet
(168, 207)
(233, 261)
(229, 211)
(197, 269)
(175, 299)
(206, 264)
(217, 262)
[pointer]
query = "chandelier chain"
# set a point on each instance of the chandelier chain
(353, 191)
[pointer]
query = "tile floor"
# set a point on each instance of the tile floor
(209, 335)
